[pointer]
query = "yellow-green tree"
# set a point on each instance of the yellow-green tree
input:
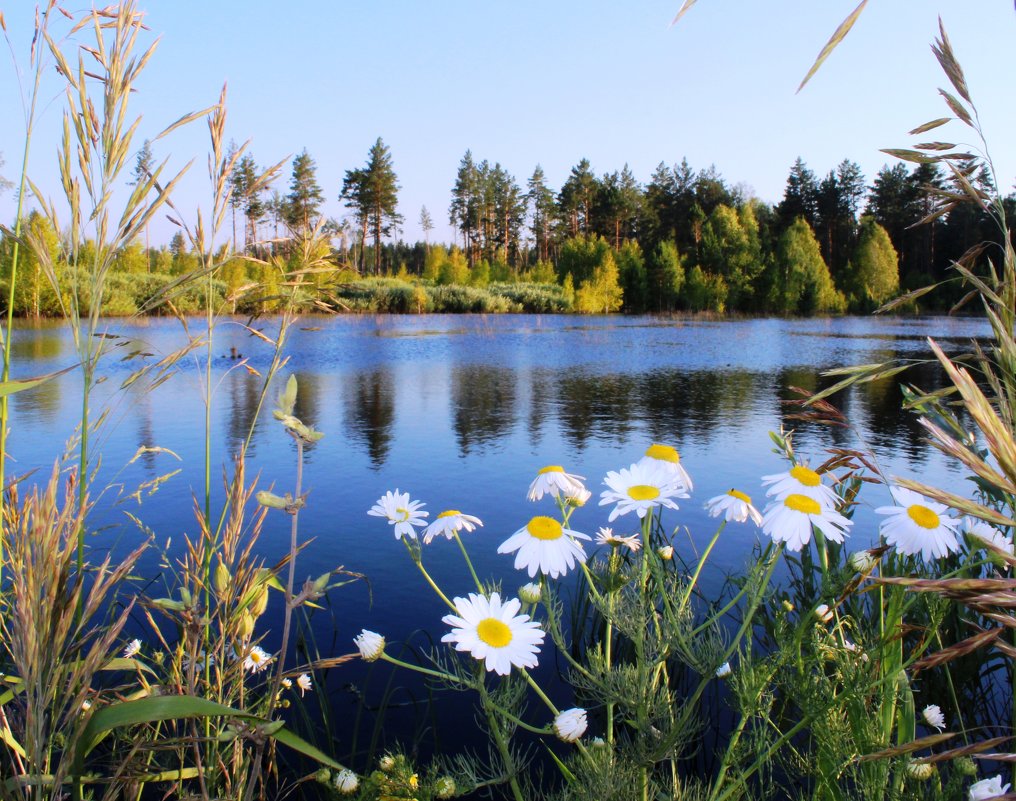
(601, 292)
(873, 275)
(802, 283)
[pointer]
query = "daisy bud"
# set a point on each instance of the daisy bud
(666, 552)
(386, 763)
(863, 561)
(724, 670)
(823, 613)
(965, 766)
(787, 606)
(345, 781)
(570, 725)
(530, 593)
(920, 770)
(323, 775)
(370, 644)
(444, 787)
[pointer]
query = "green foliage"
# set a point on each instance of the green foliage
(705, 291)
(633, 279)
(601, 293)
(874, 277)
(580, 256)
(731, 249)
(802, 282)
(665, 276)
(454, 269)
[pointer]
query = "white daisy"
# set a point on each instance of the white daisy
(986, 532)
(303, 682)
(987, 788)
(448, 523)
(400, 512)
(918, 525)
(287, 683)
(257, 659)
(198, 661)
(724, 670)
(552, 480)
(790, 520)
(639, 488)
(823, 613)
(544, 545)
(666, 552)
(863, 561)
(734, 506)
(933, 716)
(346, 782)
(493, 632)
(667, 458)
(606, 536)
(578, 498)
(800, 480)
(133, 649)
(571, 724)
(370, 644)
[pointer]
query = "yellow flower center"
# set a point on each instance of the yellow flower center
(802, 503)
(493, 632)
(643, 492)
(450, 513)
(255, 657)
(403, 515)
(806, 476)
(545, 528)
(551, 468)
(923, 516)
(739, 495)
(664, 453)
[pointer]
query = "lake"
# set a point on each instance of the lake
(462, 411)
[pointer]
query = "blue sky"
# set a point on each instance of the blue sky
(543, 82)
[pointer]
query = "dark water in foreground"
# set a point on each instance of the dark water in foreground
(462, 411)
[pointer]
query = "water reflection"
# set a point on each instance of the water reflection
(370, 411)
(483, 404)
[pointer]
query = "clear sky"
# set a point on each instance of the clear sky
(547, 82)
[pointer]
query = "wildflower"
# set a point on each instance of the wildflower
(287, 683)
(852, 647)
(986, 532)
(578, 498)
(639, 488)
(920, 770)
(666, 552)
(734, 506)
(800, 480)
(545, 545)
(444, 787)
(448, 523)
(492, 631)
(552, 480)
(987, 788)
(386, 763)
(401, 512)
(918, 525)
(823, 613)
(606, 536)
(133, 649)
(370, 645)
(863, 561)
(198, 662)
(570, 725)
(346, 782)
(790, 520)
(933, 716)
(257, 659)
(724, 670)
(86, 705)
(669, 459)
(303, 682)
(530, 593)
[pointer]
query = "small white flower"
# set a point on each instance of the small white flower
(987, 788)
(303, 682)
(667, 458)
(370, 645)
(257, 659)
(863, 561)
(444, 787)
(918, 525)
(287, 683)
(386, 763)
(400, 512)
(823, 613)
(86, 705)
(570, 725)
(530, 593)
(640, 488)
(133, 649)
(494, 633)
(578, 498)
(198, 661)
(790, 519)
(800, 480)
(724, 670)
(852, 647)
(552, 480)
(985, 532)
(346, 781)
(666, 552)
(545, 546)
(734, 506)
(606, 536)
(448, 523)
(933, 716)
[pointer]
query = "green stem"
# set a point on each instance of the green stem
(701, 564)
(437, 674)
(469, 562)
(433, 585)
(291, 578)
(502, 745)
(608, 644)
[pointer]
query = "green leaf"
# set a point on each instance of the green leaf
(287, 400)
(10, 387)
(301, 746)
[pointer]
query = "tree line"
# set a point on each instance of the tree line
(685, 240)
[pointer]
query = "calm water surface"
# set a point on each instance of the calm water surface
(462, 411)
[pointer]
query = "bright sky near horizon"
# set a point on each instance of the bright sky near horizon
(533, 82)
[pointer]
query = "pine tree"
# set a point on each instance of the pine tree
(427, 224)
(373, 193)
(302, 205)
(144, 168)
(541, 200)
(575, 200)
(464, 211)
(800, 198)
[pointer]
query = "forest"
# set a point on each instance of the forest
(685, 241)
